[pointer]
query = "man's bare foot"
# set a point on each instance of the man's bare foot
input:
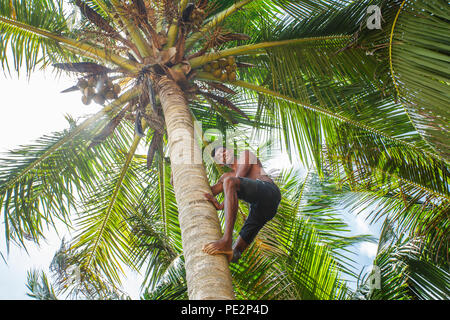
(219, 247)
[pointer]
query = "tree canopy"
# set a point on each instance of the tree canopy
(365, 108)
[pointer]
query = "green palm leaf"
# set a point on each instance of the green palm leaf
(156, 240)
(422, 30)
(406, 273)
(104, 237)
(28, 47)
(40, 183)
(39, 286)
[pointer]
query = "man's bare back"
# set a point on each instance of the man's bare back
(247, 165)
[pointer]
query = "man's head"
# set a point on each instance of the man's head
(223, 155)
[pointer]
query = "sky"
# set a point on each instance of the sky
(30, 109)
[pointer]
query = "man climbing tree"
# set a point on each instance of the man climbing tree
(247, 181)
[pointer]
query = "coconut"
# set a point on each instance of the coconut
(231, 60)
(85, 100)
(223, 62)
(116, 89)
(215, 65)
(232, 76)
(82, 84)
(110, 95)
(217, 73)
(89, 92)
(99, 98)
(91, 81)
(223, 77)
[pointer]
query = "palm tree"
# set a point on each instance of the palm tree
(353, 100)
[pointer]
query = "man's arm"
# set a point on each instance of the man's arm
(218, 187)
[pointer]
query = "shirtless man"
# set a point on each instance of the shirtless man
(249, 182)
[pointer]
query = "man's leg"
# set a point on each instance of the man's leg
(239, 247)
(231, 186)
(260, 213)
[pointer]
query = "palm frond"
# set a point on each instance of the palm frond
(156, 240)
(40, 183)
(293, 257)
(103, 234)
(38, 189)
(391, 157)
(26, 46)
(172, 285)
(289, 264)
(405, 273)
(415, 187)
(305, 9)
(419, 60)
(358, 91)
(47, 40)
(39, 286)
(416, 211)
(322, 207)
(72, 280)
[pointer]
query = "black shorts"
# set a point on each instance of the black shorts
(264, 198)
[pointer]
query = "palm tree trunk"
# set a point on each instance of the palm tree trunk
(208, 277)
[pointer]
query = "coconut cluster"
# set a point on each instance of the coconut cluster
(223, 69)
(197, 16)
(97, 89)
